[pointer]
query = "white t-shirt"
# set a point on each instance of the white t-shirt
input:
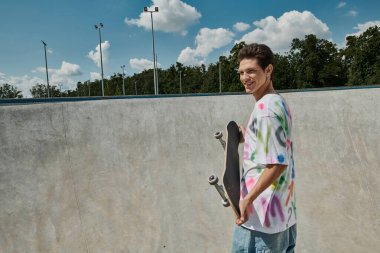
(268, 140)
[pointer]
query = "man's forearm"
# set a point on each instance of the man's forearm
(269, 176)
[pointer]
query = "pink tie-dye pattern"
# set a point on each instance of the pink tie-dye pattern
(276, 202)
(288, 144)
(246, 151)
(290, 188)
(261, 106)
(264, 203)
(250, 210)
(273, 204)
(272, 160)
(250, 184)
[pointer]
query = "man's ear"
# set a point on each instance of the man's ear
(269, 70)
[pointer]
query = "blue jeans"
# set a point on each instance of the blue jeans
(249, 241)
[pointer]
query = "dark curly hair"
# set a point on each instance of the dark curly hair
(261, 52)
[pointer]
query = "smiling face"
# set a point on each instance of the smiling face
(256, 80)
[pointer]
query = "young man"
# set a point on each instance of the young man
(267, 203)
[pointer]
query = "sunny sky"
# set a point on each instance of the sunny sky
(188, 31)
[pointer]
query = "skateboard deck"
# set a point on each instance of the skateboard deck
(231, 174)
(230, 191)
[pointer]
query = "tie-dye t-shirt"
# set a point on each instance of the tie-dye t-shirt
(268, 140)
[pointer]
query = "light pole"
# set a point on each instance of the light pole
(158, 90)
(180, 81)
(220, 76)
(123, 66)
(154, 51)
(89, 88)
(60, 90)
(47, 74)
(98, 27)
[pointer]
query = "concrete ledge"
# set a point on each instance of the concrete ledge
(130, 175)
(76, 99)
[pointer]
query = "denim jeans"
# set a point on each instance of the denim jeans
(248, 241)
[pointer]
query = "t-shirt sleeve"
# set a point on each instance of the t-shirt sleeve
(271, 145)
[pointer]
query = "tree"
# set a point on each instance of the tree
(168, 80)
(210, 83)
(362, 57)
(311, 62)
(316, 63)
(283, 74)
(232, 78)
(9, 91)
(40, 91)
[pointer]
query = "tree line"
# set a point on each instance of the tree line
(311, 63)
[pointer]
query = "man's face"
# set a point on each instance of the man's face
(252, 76)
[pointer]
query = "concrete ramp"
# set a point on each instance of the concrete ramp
(130, 175)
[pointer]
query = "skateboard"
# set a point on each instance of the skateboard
(230, 190)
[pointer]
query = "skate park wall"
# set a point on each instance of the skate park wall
(131, 175)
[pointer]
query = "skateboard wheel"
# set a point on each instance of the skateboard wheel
(218, 135)
(226, 203)
(213, 179)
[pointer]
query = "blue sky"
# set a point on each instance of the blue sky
(188, 31)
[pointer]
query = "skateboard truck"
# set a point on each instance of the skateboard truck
(213, 180)
(218, 136)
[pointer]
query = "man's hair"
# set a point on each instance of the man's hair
(261, 52)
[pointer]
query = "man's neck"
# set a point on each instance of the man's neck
(269, 90)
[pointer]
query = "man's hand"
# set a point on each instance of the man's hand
(242, 133)
(245, 206)
(270, 175)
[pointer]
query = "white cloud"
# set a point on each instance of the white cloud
(56, 76)
(95, 76)
(174, 16)
(279, 33)
(209, 39)
(188, 56)
(22, 83)
(68, 69)
(39, 69)
(226, 53)
(341, 5)
(50, 51)
(63, 75)
(95, 55)
(352, 13)
(241, 27)
(363, 27)
(142, 64)
(206, 41)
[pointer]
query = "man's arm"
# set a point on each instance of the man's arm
(269, 176)
(241, 133)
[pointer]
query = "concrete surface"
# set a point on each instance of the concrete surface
(131, 175)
